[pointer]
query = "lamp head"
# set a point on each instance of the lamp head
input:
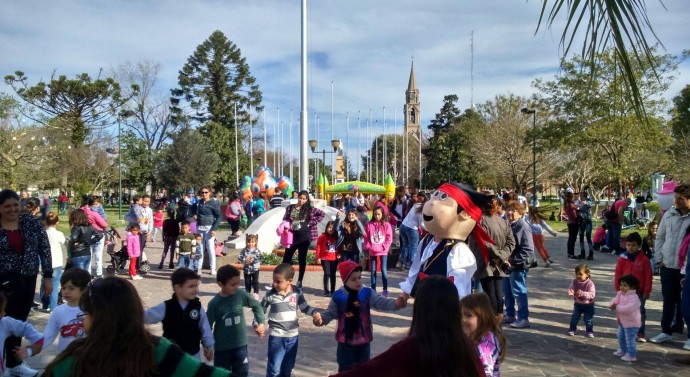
(335, 144)
(527, 111)
(313, 144)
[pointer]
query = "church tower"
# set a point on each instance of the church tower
(412, 106)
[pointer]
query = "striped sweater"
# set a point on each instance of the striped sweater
(282, 311)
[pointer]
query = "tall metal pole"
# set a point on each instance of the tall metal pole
(237, 162)
(376, 153)
(304, 124)
(534, 158)
(395, 145)
(359, 140)
(265, 143)
(371, 133)
(251, 144)
(119, 163)
(292, 172)
(276, 141)
(318, 124)
(332, 137)
(420, 148)
(346, 160)
(384, 166)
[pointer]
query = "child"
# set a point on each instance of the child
(538, 225)
(285, 234)
(351, 305)
(57, 248)
(480, 325)
(135, 211)
(633, 262)
(599, 237)
(226, 317)
(171, 230)
(647, 245)
(133, 250)
(184, 249)
(82, 236)
(281, 303)
(184, 320)
(325, 252)
(379, 236)
(67, 319)
(12, 327)
(583, 291)
(198, 251)
(250, 257)
(627, 306)
(157, 222)
(350, 235)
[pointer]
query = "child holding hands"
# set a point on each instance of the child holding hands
(226, 317)
(325, 253)
(583, 291)
(351, 306)
(627, 307)
(378, 239)
(13, 327)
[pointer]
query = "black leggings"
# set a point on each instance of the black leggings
(251, 281)
(493, 287)
(19, 300)
(234, 225)
(329, 270)
(301, 248)
(573, 229)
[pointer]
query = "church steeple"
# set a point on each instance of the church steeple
(412, 104)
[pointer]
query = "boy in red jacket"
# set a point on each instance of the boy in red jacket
(633, 262)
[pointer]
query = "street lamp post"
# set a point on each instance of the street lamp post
(313, 144)
(534, 152)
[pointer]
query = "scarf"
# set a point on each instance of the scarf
(351, 313)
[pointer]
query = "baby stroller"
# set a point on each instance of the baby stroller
(118, 254)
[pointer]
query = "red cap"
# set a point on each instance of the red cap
(346, 268)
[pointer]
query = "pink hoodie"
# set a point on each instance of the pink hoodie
(378, 238)
(628, 309)
(95, 219)
(133, 245)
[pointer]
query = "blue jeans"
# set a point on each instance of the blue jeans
(578, 311)
(626, 340)
(208, 245)
(685, 300)
(235, 360)
(613, 236)
(643, 313)
(515, 289)
(384, 271)
(282, 353)
(409, 239)
(348, 355)
(83, 262)
(586, 231)
(50, 302)
(671, 293)
(185, 261)
(97, 256)
(349, 256)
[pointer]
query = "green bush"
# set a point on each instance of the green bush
(653, 206)
(271, 259)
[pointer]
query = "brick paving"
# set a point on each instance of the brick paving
(543, 350)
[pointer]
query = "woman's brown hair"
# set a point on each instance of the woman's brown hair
(351, 227)
(78, 218)
(118, 343)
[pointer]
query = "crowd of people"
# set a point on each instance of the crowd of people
(462, 329)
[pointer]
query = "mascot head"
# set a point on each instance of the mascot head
(453, 212)
(666, 195)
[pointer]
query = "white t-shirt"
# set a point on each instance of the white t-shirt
(57, 245)
(414, 218)
(63, 323)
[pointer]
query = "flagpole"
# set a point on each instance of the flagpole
(371, 133)
(395, 145)
(251, 144)
(292, 172)
(346, 160)
(304, 126)
(237, 165)
(384, 167)
(332, 137)
(359, 140)
(276, 139)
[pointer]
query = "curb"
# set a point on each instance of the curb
(309, 267)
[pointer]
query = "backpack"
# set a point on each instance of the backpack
(584, 215)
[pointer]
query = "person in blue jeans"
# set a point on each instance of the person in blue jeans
(409, 233)
(515, 285)
(281, 304)
(82, 236)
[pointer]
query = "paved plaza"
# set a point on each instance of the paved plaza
(543, 350)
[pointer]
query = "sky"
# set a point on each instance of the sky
(364, 47)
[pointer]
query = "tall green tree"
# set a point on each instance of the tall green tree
(597, 120)
(82, 105)
(213, 85)
(449, 152)
(680, 130)
(182, 162)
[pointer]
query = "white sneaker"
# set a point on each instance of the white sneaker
(213, 272)
(137, 277)
(661, 338)
(686, 346)
(520, 324)
(628, 358)
(619, 353)
(21, 370)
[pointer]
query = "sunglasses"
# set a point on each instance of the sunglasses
(204, 192)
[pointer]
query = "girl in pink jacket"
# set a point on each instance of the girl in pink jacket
(133, 250)
(377, 241)
(627, 307)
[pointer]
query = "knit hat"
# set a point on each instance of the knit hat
(346, 268)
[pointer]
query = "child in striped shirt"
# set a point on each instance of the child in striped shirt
(281, 304)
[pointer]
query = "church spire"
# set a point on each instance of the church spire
(412, 85)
